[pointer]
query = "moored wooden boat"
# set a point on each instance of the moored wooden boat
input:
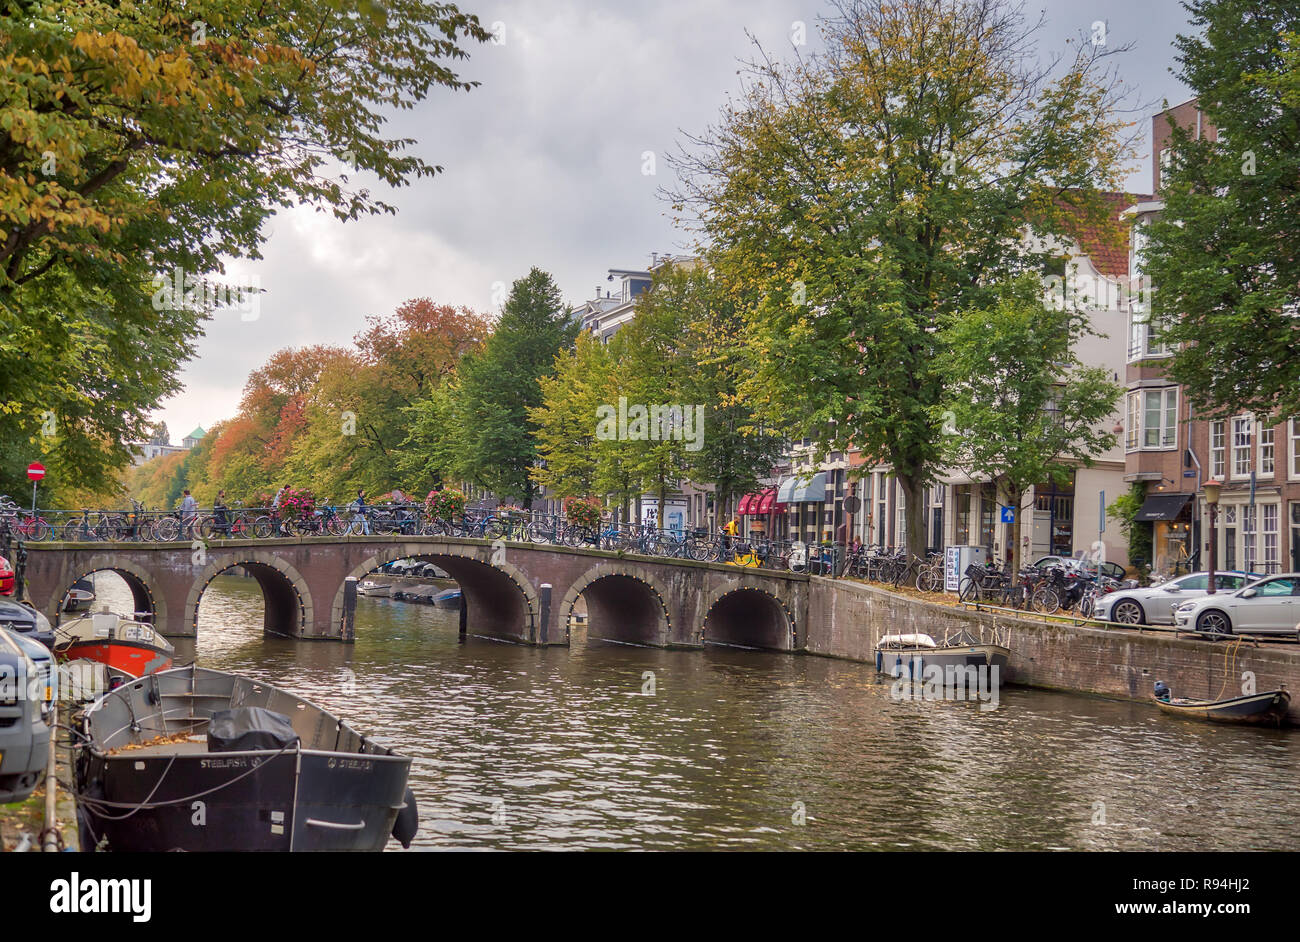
(79, 597)
(1268, 708)
(908, 655)
(372, 588)
(158, 770)
(124, 644)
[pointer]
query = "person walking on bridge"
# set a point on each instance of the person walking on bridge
(189, 511)
(275, 508)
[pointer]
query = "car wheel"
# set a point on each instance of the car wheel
(1128, 612)
(1214, 622)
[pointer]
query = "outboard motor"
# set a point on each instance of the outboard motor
(408, 820)
(1162, 691)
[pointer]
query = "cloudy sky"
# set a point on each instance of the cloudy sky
(544, 166)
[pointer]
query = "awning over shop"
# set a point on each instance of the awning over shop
(1162, 506)
(767, 504)
(743, 507)
(785, 491)
(814, 491)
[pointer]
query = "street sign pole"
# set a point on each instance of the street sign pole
(35, 471)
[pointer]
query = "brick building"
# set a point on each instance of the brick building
(1172, 452)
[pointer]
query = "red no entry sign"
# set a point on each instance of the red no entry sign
(36, 471)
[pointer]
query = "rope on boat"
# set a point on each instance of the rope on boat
(1228, 671)
(94, 804)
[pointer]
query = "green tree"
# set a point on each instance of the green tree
(496, 389)
(146, 140)
(854, 200)
(1224, 256)
(569, 452)
(1021, 407)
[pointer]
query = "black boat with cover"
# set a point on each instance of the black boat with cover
(203, 760)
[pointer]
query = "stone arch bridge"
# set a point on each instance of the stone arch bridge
(634, 599)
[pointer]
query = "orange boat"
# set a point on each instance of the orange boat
(124, 644)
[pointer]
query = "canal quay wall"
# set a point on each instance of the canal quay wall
(846, 620)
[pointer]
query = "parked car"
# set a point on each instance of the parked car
(1155, 604)
(1270, 606)
(6, 577)
(26, 695)
(26, 621)
(1114, 570)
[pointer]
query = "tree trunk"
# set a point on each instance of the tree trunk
(913, 513)
(1013, 496)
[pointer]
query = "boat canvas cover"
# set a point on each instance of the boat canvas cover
(907, 641)
(246, 729)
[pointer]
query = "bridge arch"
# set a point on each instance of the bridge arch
(144, 593)
(748, 616)
(499, 600)
(624, 606)
(287, 601)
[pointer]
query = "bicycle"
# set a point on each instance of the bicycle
(23, 524)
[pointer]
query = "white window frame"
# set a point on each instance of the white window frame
(1136, 419)
(1269, 536)
(1265, 450)
(1219, 451)
(1293, 452)
(1241, 450)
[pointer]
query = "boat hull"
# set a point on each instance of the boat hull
(126, 656)
(1261, 709)
(148, 781)
(375, 590)
(911, 662)
(343, 802)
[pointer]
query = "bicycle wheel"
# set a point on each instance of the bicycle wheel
(263, 527)
(209, 530)
(1046, 600)
(968, 591)
(927, 581)
(166, 529)
(39, 530)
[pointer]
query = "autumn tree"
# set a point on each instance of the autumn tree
(855, 199)
(144, 140)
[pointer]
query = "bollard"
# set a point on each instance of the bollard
(464, 615)
(545, 597)
(349, 632)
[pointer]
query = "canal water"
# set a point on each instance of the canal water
(619, 747)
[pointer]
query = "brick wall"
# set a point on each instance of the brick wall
(845, 620)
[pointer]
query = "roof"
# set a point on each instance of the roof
(197, 433)
(1107, 246)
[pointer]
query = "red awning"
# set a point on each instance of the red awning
(767, 500)
(745, 504)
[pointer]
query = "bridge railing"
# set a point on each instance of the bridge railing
(508, 524)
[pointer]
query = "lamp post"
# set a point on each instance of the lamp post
(1212, 499)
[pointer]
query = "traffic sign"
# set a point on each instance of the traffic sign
(1008, 515)
(35, 471)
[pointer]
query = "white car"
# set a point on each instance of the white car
(1155, 604)
(1270, 606)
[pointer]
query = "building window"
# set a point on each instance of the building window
(1266, 451)
(1270, 537)
(1293, 432)
(1218, 450)
(1241, 447)
(1144, 336)
(1152, 419)
(1248, 536)
(962, 516)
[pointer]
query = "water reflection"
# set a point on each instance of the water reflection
(517, 747)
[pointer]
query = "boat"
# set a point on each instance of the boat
(80, 597)
(376, 589)
(448, 598)
(124, 644)
(908, 655)
(198, 759)
(1264, 709)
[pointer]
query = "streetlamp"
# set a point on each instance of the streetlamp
(1212, 499)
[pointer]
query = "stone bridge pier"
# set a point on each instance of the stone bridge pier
(632, 599)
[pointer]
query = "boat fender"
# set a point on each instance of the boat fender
(408, 820)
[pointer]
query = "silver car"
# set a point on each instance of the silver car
(1155, 604)
(1270, 606)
